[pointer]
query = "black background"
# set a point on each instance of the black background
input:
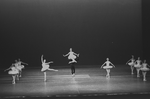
(96, 29)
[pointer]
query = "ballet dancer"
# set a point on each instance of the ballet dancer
(144, 68)
(72, 56)
(72, 64)
(45, 66)
(137, 65)
(14, 72)
(19, 66)
(131, 64)
(108, 66)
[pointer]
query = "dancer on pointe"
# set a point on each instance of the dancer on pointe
(138, 65)
(144, 69)
(108, 66)
(72, 56)
(14, 72)
(45, 66)
(131, 64)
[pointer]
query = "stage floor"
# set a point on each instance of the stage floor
(88, 81)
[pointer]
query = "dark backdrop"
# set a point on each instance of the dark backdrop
(96, 29)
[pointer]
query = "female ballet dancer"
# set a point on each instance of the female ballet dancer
(144, 69)
(14, 72)
(45, 66)
(20, 66)
(131, 64)
(72, 56)
(137, 65)
(108, 66)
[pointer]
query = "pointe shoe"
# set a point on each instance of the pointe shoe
(13, 83)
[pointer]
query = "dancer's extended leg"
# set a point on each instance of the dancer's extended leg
(52, 69)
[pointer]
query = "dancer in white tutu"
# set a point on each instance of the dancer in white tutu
(14, 72)
(72, 56)
(144, 68)
(45, 66)
(19, 66)
(131, 64)
(107, 65)
(138, 65)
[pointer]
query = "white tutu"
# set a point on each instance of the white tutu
(131, 64)
(45, 67)
(20, 67)
(144, 69)
(107, 67)
(13, 72)
(137, 66)
(72, 57)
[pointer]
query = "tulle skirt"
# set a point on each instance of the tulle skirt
(144, 69)
(137, 66)
(20, 67)
(72, 57)
(131, 64)
(45, 67)
(107, 67)
(12, 72)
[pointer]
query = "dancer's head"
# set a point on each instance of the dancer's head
(144, 61)
(16, 61)
(138, 58)
(44, 60)
(132, 56)
(70, 49)
(107, 59)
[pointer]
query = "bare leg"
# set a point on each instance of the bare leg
(132, 68)
(14, 78)
(144, 75)
(138, 72)
(44, 76)
(20, 72)
(17, 76)
(53, 69)
(108, 73)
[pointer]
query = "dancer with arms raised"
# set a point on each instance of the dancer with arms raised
(45, 67)
(72, 56)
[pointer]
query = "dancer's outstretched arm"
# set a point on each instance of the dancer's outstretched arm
(66, 55)
(49, 62)
(112, 64)
(75, 54)
(148, 65)
(128, 61)
(8, 68)
(42, 58)
(24, 63)
(103, 64)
